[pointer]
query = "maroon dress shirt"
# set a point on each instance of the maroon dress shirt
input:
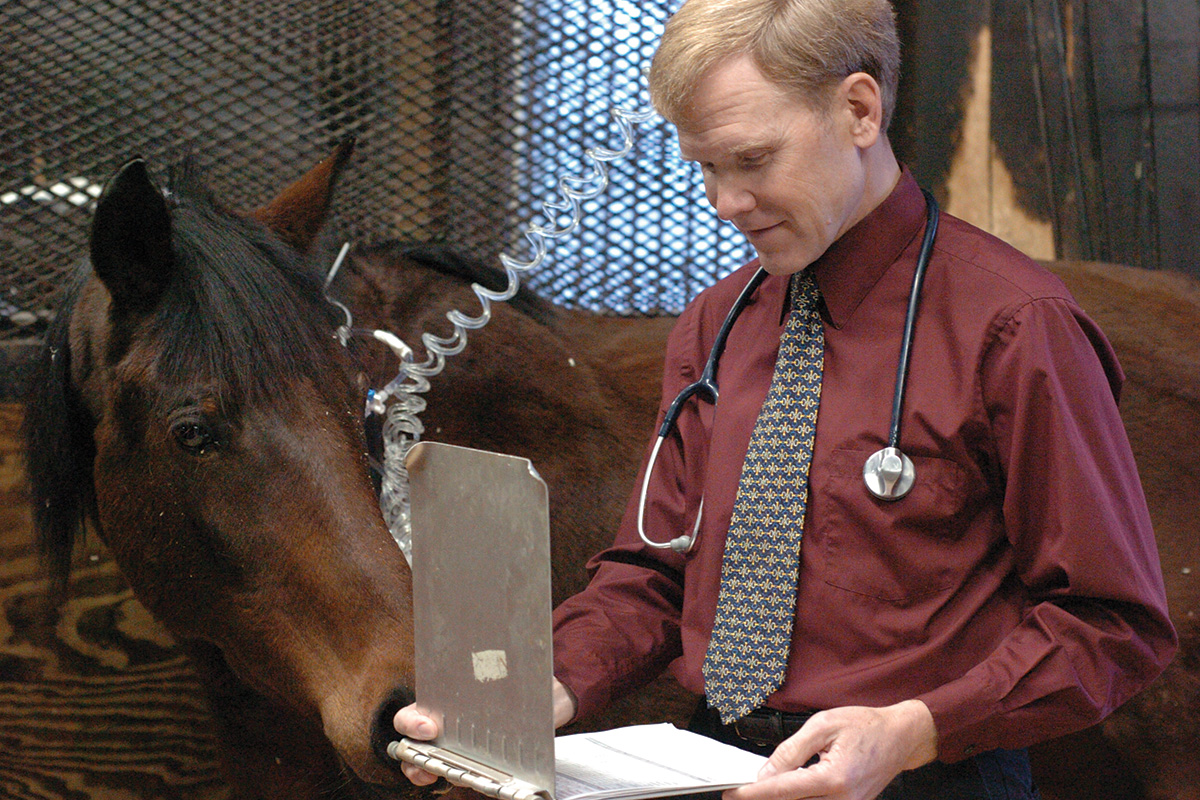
(1016, 590)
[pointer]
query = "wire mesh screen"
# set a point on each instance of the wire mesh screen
(466, 112)
(651, 241)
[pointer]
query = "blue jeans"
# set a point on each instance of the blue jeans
(996, 775)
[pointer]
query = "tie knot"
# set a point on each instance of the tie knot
(804, 292)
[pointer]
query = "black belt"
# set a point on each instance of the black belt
(763, 728)
(767, 727)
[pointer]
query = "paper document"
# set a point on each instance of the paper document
(643, 761)
(633, 763)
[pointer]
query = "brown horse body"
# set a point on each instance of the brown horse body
(278, 571)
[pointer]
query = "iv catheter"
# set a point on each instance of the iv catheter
(888, 473)
(398, 402)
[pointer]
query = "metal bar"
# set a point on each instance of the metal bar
(1104, 251)
(1081, 189)
(1035, 66)
(1150, 165)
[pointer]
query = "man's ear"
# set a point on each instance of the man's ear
(860, 96)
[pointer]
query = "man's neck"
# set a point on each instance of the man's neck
(883, 171)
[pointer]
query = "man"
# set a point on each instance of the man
(1012, 596)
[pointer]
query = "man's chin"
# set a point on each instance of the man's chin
(780, 265)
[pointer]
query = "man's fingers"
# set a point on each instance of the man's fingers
(412, 723)
(790, 785)
(795, 751)
(418, 776)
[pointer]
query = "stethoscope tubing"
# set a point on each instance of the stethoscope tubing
(910, 317)
(706, 386)
(705, 389)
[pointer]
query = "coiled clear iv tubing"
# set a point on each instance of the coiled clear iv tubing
(399, 402)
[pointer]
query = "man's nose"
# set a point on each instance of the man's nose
(730, 200)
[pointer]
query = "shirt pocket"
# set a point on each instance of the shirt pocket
(896, 551)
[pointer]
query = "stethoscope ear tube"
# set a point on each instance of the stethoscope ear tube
(706, 389)
(680, 544)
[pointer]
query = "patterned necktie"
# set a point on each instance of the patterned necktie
(752, 632)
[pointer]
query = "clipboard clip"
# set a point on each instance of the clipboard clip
(464, 771)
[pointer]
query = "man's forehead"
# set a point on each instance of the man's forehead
(733, 105)
(733, 130)
(727, 142)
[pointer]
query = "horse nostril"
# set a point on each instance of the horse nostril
(383, 732)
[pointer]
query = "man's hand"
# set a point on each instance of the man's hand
(413, 724)
(565, 705)
(860, 749)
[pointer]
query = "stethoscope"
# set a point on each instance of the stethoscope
(888, 473)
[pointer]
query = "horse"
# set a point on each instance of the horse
(153, 426)
(196, 409)
(193, 408)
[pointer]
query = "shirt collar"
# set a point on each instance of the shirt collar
(853, 264)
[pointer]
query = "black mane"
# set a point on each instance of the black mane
(244, 314)
(58, 447)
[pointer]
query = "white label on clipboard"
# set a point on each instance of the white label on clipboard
(489, 665)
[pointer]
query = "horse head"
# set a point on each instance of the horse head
(197, 409)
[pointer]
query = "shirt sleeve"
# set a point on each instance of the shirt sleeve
(622, 630)
(1096, 629)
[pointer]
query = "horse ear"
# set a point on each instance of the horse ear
(131, 239)
(299, 212)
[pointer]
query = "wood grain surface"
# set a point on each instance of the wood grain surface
(96, 702)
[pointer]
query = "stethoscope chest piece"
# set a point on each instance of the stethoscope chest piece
(889, 474)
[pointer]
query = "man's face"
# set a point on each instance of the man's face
(788, 176)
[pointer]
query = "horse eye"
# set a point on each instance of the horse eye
(194, 437)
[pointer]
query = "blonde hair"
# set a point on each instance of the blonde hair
(805, 46)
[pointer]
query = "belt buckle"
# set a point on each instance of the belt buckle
(762, 727)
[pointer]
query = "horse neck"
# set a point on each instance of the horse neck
(626, 354)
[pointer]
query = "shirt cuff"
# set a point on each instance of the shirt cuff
(959, 714)
(589, 681)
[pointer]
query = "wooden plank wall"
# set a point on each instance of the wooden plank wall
(1175, 79)
(1070, 128)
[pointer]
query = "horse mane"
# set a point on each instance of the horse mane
(445, 260)
(242, 317)
(59, 449)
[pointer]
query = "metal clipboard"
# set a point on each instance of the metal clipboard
(481, 616)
